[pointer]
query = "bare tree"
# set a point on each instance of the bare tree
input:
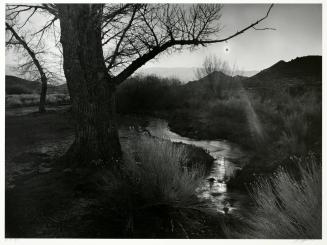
(44, 80)
(34, 55)
(217, 75)
(105, 44)
(210, 65)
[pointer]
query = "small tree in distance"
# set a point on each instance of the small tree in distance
(210, 65)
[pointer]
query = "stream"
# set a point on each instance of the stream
(213, 188)
(227, 157)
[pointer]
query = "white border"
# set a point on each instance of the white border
(158, 241)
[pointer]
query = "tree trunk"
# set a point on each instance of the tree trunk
(91, 89)
(43, 93)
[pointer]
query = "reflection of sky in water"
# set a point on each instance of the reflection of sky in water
(215, 191)
(160, 128)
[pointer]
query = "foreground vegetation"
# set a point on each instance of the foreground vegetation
(287, 206)
(280, 123)
(153, 194)
(275, 123)
(157, 189)
(143, 198)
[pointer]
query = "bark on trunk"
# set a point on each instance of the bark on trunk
(91, 89)
(43, 93)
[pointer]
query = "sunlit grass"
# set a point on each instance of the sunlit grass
(19, 100)
(161, 168)
(286, 206)
(156, 183)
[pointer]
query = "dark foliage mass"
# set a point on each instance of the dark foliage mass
(285, 97)
(150, 93)
(276, 113)
(147, 93)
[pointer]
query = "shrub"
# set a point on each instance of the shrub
(287, 205)
(294, 135)
(156, 187)
(147, 93)
(12, 101)
(22, 100)
(34, 99)
(164, 174)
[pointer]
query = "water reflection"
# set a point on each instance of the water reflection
(213, 188)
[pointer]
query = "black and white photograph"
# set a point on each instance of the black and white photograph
(163, 120)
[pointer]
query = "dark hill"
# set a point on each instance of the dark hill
(296, 77)
(304, 71)
(215, 77)
(212, 84)
(16, 85)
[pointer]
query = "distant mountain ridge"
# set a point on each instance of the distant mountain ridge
(296, 76)
(16, 85)
(301, 70)
(184, 74)
(215, 77)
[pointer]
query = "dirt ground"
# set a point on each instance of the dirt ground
(31, 147)
(44, 198)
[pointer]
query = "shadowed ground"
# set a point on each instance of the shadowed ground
(46, 199)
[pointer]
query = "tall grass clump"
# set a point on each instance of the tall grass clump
(287, 206)
(163, 172)
(294, 135)
(156, 188)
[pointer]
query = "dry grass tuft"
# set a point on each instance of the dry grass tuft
(287, 207)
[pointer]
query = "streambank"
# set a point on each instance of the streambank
(228, 160)
(197, 125)
(197, 128)
(44, 200)
(258, 160)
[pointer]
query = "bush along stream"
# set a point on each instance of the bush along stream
(238, 212)
(274, 119)
(214, 158)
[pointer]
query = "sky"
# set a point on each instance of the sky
(298, 33)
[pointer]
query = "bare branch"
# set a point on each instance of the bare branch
(19, 8)
(195, 40)
(264, 28)
(122, 37)
(27, 48)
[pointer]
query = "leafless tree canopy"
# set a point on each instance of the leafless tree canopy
(148, 28)
(212, 64)
(133, 34)
(30, 40)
